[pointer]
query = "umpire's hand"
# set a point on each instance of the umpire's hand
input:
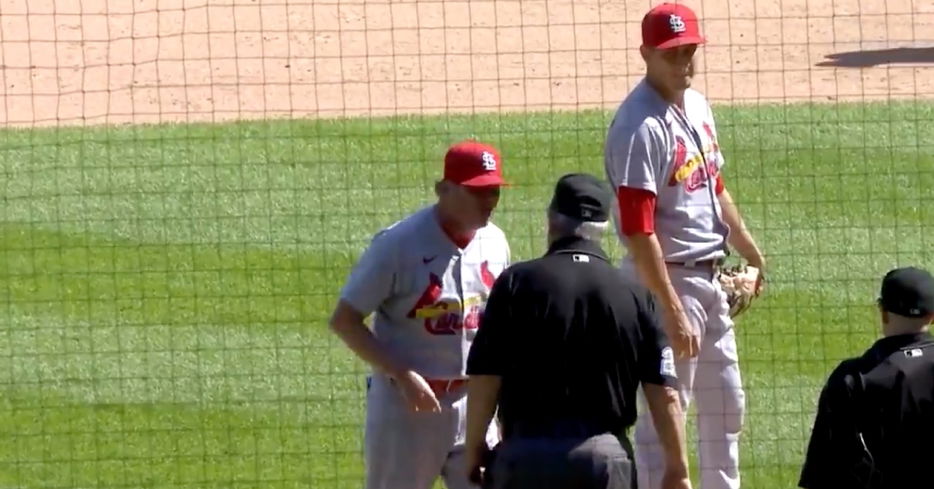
(675, 481)
(478, 464)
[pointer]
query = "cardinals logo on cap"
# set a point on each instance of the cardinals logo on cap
(489, 161)
(676, 23)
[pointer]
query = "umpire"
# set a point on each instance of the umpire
(563, 345)
(875, 416)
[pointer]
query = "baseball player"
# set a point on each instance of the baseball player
(426, 279)
(677, 221)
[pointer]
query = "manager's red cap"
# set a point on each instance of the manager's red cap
(670, 25)
(473, 164)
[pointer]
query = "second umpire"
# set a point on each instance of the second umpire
(563, 345)
(875, 415)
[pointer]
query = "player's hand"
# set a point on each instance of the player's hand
(684, 339)
(759, 263)
(760, 282)
(417, 392)
(673, 480)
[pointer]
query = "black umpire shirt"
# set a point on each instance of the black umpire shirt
(571, 339)
(875, 419)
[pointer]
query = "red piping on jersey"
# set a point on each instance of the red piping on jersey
(637, 210)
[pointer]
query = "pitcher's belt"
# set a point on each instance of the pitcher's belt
(704, 264)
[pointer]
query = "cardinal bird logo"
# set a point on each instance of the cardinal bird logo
(429, 297)
(486, 275)
(713, 139)
(680, 172)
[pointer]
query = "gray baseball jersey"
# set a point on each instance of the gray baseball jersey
(427, 293)
(652, 145)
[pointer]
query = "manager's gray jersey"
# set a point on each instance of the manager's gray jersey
(427, 294)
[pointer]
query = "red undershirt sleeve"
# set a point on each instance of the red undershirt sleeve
(720, 186)
(636, 209)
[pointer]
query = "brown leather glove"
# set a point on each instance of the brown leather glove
(742, 284)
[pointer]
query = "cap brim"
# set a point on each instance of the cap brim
(485, 181)
(681, 41)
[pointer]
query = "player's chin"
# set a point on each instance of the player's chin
(683, 82)
(484, 219)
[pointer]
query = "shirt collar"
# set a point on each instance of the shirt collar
(575, 244)
(884, 347)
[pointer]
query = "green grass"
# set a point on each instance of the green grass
(165, 289)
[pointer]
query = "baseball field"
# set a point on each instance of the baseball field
(186, 184)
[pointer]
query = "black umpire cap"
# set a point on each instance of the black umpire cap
(582, 196)
(908, 292)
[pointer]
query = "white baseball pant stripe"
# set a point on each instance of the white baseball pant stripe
(710, 380)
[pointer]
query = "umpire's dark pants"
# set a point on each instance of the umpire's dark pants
(567, 462)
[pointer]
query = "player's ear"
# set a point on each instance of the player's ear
(645, 51)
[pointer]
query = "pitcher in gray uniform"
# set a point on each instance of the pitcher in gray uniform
(425, 279)
(678, 221)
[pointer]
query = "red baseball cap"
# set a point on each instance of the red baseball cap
(670, 25)
(473, 164)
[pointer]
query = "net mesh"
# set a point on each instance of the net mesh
(186, 184)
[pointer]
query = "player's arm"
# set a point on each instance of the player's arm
(369, 284)
(650, 261)
(633, 160)
(740, 237)
(486, 363)
(348, 324)
(659, 383)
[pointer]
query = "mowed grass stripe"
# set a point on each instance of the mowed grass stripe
(60, 443)
(181, 276)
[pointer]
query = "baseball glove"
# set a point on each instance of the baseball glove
(742, 284)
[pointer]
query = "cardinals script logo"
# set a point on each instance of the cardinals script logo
(447, 316)
(693, 172)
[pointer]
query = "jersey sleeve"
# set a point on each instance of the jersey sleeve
(371, 279)
(636, 210)
(489, 351)
(656, 357)
(634, 157)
